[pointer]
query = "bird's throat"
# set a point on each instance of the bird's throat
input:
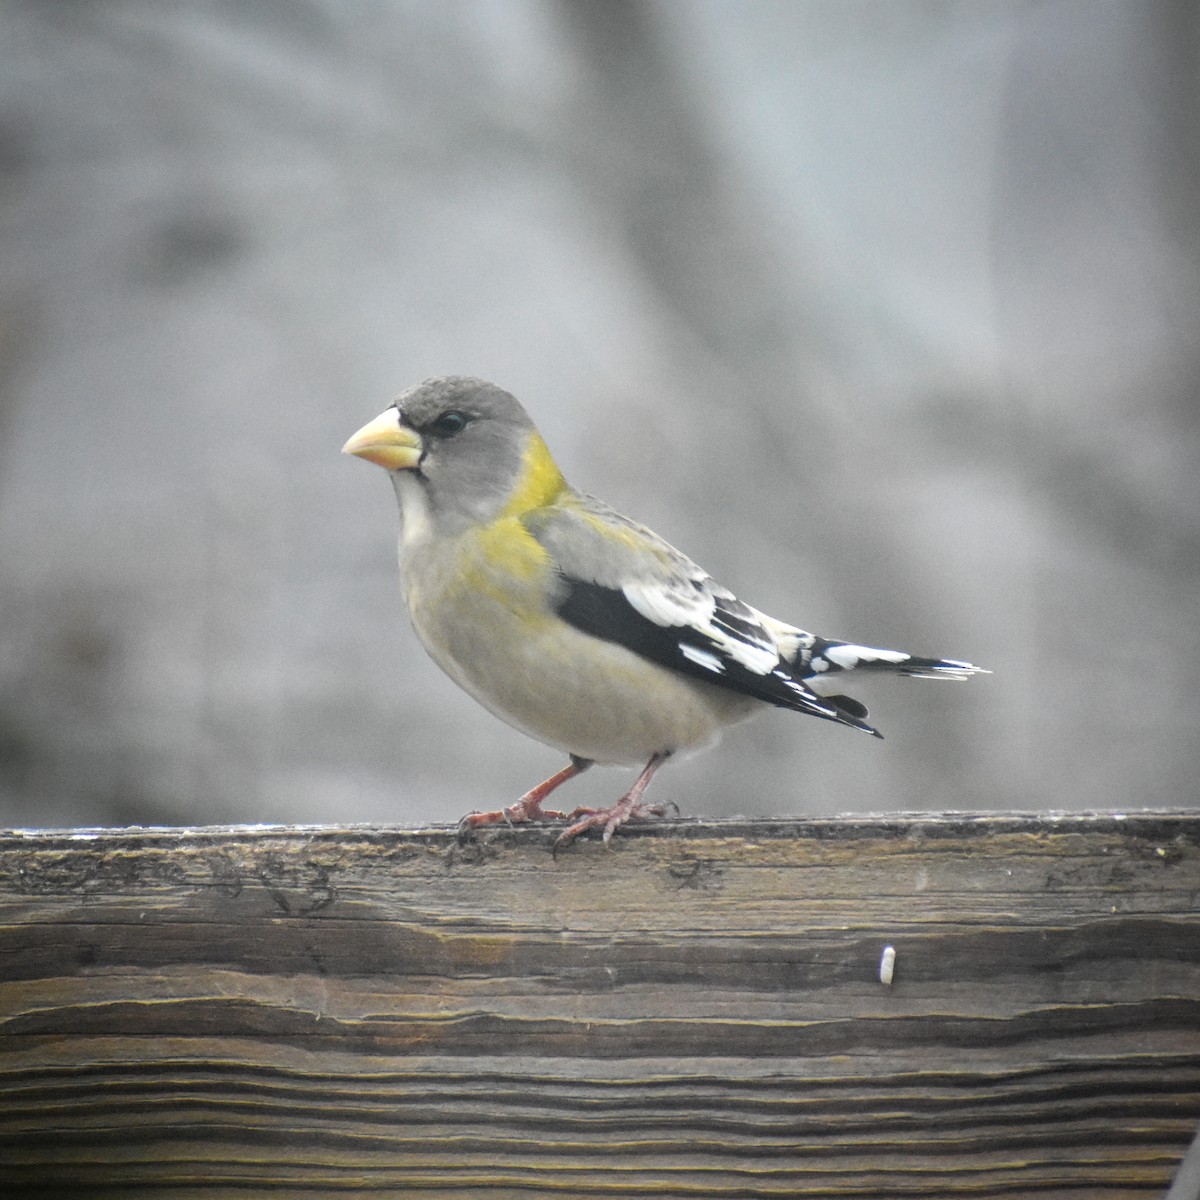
(416, 525)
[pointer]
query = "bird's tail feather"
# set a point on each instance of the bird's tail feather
(828, 658)
(933, 668)
(850, 712)
(827, 662)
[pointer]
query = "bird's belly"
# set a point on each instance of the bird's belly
(569, 689)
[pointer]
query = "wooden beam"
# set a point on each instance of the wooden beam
(696, 1011)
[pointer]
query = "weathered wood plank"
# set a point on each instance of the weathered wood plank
(696, 1012)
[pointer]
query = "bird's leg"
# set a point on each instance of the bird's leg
(628, 808)
(529, 807)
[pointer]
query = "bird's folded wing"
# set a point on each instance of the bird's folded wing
(619, 581)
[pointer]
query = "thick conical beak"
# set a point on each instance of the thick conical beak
(387, 443)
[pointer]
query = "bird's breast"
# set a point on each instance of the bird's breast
(487, 568)
(482, 605)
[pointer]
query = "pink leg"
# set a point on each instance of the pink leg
(628, 808)
(529, 807)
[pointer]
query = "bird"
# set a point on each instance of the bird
(576, 625)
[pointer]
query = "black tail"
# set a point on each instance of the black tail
(851, 712)
(828, 658)
(823, 665)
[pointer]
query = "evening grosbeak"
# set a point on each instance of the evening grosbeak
(573, 623)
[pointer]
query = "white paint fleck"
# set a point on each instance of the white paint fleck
(887, 965)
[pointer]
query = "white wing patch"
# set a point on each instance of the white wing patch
(703, 658)
(789, 640)
(722, 624)
(674, 602)
(736, 632)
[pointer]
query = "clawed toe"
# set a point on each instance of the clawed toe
(607, 819)
(529, 807)
(472, 821)
(628, 808)
(520, 813)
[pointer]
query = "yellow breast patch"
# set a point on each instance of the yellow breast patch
(502, 558)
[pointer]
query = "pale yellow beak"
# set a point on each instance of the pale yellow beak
(387, 443)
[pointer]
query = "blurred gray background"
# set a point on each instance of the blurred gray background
(887, 313)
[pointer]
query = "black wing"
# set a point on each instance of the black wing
(692, 627)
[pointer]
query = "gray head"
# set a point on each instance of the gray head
(455, 446)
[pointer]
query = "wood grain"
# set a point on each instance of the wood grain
(695, 1012)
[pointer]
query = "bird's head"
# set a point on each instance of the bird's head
(463, 449)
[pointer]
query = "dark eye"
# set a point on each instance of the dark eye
(449, 423)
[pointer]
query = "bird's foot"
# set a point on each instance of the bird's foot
(528, 808)
(628, 808)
